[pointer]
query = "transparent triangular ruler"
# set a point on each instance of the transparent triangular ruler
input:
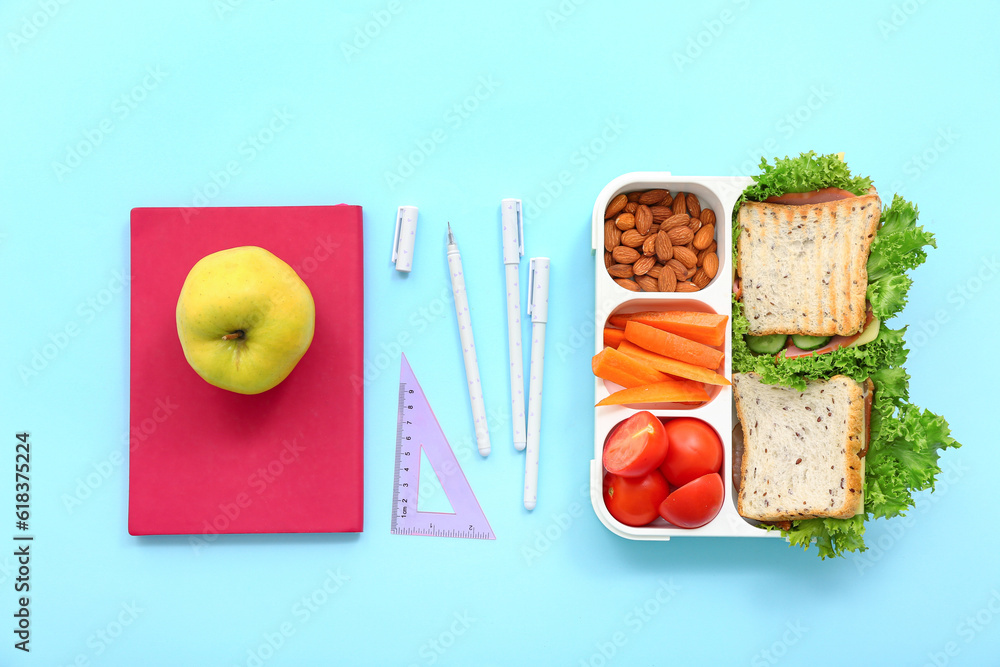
(418, 431)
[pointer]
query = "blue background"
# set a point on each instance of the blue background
(452, 107)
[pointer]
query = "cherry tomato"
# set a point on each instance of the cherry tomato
(636, 447)
(694, 504)
(695, 450)
(634, 500)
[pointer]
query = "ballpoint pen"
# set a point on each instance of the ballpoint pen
(512, 230)
(468, 345)
(538, 307)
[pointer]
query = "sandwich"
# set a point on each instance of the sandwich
(802, 266)
(803, 453)
(820, 267)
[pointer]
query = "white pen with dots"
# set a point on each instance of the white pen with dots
(468, 345)
(512, 232)
(538, 307)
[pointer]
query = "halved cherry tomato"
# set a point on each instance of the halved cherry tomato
(695, 450)
(635, 501)
(694, 504)
(637, 446)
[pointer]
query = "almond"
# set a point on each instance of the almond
(647, 284)
(652, 196)
(704, 237)
(655, 271)
(612, 235)
(632, 238)
(694, 225)
(643, 265)
(667, 200)
(627, 284)
(678, 269)
(693, 205)
(682, 255)
(615, 206)
(625, 221)
(643, 219)
(631, 207)
(686, 286)
(680, 235)
(620, 270)
(625, 255)
(689, 274)
(678, 220)
(663, 248)
(708, 216)
(633, 196)
(710, 265)
(667, 281)
(608, 260)
(649, 245)
(701, 279)
(680, 203)
(701, 253)
(661, 213)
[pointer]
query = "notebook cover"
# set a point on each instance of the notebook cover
(204, 460)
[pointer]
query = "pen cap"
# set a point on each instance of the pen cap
(404, 238)
(512, 226)
(538, 289)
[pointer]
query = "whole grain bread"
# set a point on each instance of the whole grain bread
(803, 268)
(801, 448)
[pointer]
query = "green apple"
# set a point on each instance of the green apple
(244, 318)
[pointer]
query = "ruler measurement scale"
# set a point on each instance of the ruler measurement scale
(418, 432)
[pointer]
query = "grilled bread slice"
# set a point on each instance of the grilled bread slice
(803, 268)
(801, 449)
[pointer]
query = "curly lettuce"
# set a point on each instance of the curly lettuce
(898, 247)
(906, 440)
(804, 173)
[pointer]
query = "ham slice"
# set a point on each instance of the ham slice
(820, 196)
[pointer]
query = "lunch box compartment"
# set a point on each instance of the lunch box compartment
(659, 303)
(711, 196)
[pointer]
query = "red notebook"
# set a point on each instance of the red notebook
(203, 460)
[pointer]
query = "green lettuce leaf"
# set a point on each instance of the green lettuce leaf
(897, 247)
(887, 295)
(832, 537)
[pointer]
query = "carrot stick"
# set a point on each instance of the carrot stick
(610, 364)
(671, 366)
(706, 328)
(672, 345)
(678, 391)
(613, 337)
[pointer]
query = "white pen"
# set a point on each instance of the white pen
(538, 307)
(468, 345)
(512, 225)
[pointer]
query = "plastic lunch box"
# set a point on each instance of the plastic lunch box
(720, 194)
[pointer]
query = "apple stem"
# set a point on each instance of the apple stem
(239, 333)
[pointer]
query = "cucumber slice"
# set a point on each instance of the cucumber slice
(766, 344)
(810, 342)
